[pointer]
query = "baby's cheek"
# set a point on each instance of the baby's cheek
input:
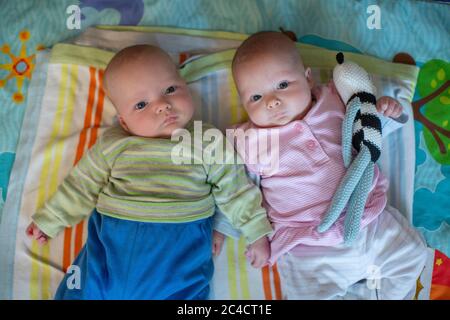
(260, 116)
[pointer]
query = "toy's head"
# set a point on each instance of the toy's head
(349, 79)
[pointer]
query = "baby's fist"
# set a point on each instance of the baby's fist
(258, 253)
(389, 107)
(218, 239)
(34, 232)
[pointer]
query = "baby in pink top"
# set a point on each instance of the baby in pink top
(282, 101)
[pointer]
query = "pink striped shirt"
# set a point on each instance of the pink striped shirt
(297, 194)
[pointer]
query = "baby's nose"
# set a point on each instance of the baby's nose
(163, 107)
(273, 103)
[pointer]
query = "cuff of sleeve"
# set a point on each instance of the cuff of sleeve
(390, 125)
(47, 225)
(257, 228)
(227, 229)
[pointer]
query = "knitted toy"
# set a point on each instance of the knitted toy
(362, 129)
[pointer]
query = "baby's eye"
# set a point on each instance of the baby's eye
(170, 90)
(141, 105)
(255, 97)
(283, 85)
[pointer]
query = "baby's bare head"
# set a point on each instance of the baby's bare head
(272, 82)
(266, 43)
(150, 96)
(131, 61)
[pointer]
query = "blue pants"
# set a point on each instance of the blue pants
(125, 259)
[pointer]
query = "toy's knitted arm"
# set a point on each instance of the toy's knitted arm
(356, 205)
(347, 131)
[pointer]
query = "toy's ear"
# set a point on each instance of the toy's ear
(340, 58)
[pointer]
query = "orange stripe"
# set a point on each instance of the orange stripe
(182, 57)
(81, 142)
(93, 138)
(66, 252)
(266, 283)
(99, 110)
(87, 115)
(78, 238)
(439, 292)
(276, 280)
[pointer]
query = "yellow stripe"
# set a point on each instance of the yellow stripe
(52, 184)
(34, 278)
(243, 276)
(232, 281)
(179, 31)
(234, 100)
(46, 289)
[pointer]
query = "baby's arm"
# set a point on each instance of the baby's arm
(389, 107)
(218, 239)
(258, 253)
(74, 199)
(34, 232)
(393, 116)
(238, 198)
(222, 226)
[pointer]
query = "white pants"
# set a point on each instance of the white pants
(383, 263)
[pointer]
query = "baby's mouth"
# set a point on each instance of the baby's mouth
(171, 118)
(279, 114)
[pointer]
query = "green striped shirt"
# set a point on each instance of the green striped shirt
(134, 178)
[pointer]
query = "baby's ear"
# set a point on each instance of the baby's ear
(122, 123)
(309, 78)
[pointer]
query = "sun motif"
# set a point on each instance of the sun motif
(21, 66)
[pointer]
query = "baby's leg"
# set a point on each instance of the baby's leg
(399, 254)
(322, 273)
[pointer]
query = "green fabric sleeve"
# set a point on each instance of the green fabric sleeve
(77, 196)
(235, 195)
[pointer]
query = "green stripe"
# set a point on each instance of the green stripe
(314, 57)
(232, 280)
(87, 56)
(180, 31)
(158, 206)
(158, 220)
(243, 269)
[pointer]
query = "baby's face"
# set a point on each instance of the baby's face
(273, 88)
(151, 97)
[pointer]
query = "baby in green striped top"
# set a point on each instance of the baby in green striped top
(150, 233)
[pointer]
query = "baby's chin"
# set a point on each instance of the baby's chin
(274, 122)
(171, 129)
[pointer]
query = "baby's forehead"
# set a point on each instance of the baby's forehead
(266, 42)
(132, 66)
(261, 58)
(272, 62)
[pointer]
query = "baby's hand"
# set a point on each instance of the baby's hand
(258, 252)
(34, 232)
(389, 107)
(218, 239)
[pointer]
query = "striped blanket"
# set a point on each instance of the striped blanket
(67, 110)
